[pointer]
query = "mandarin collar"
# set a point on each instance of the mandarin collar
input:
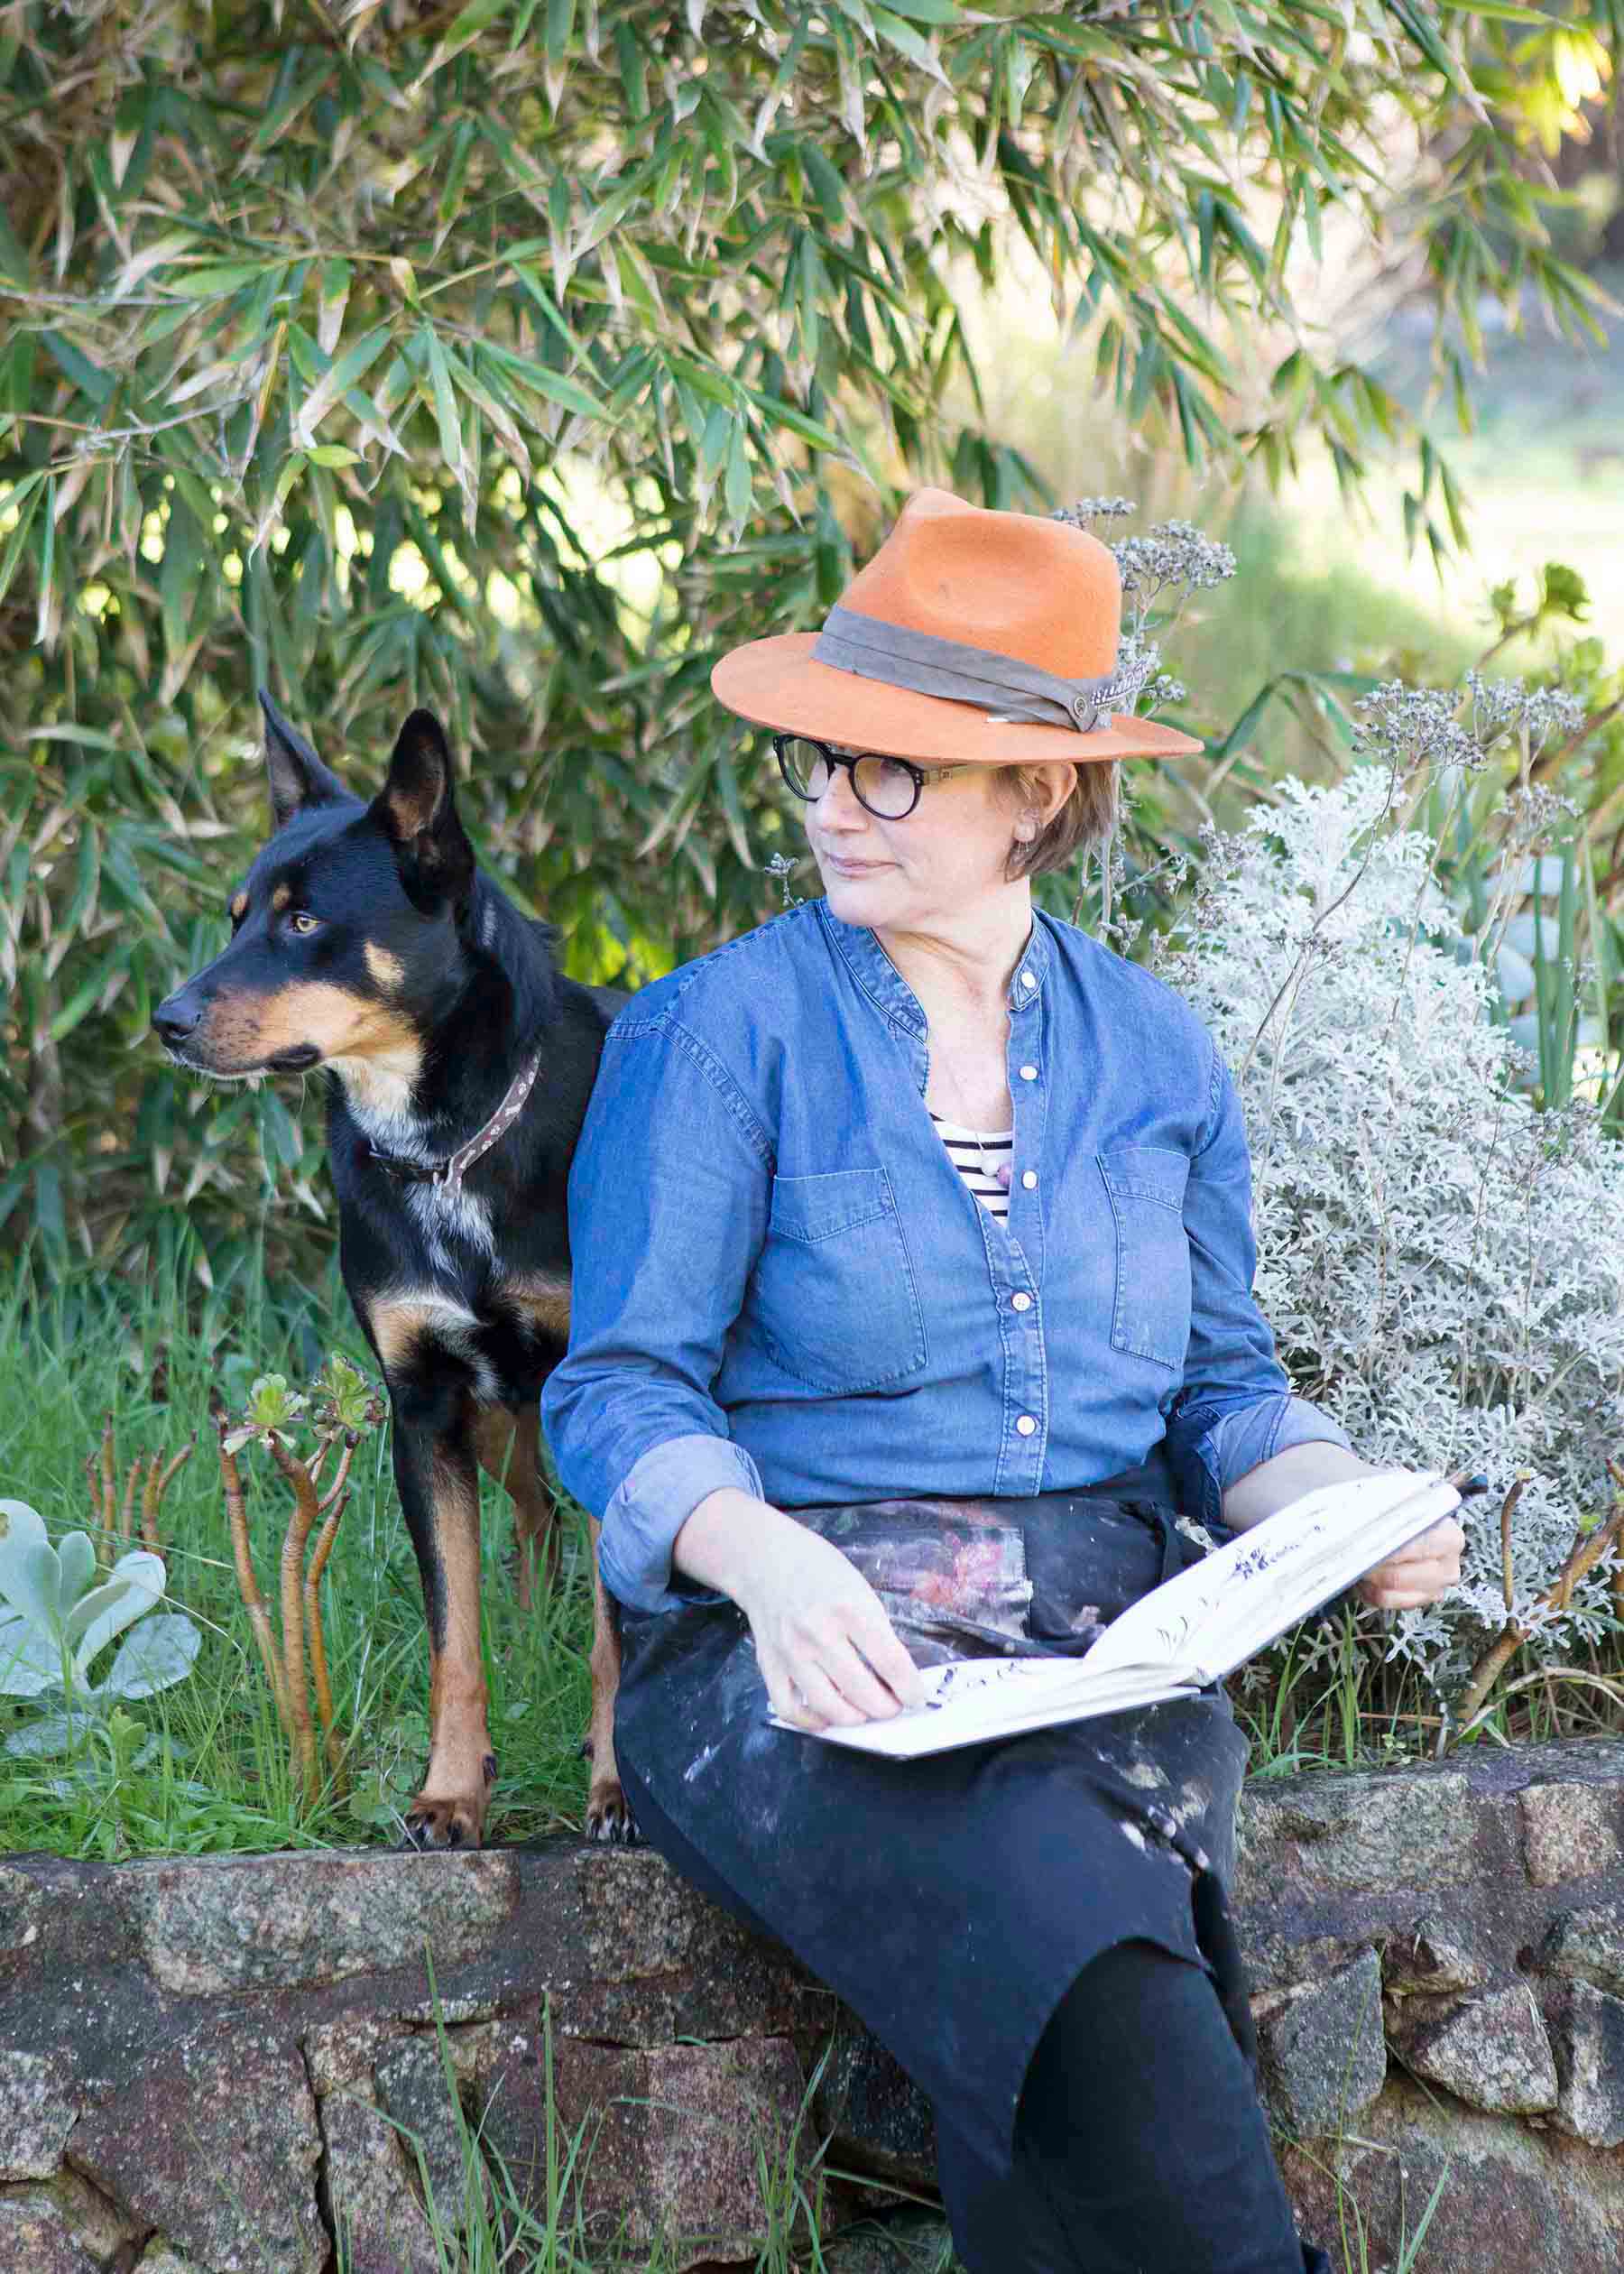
(884, 984)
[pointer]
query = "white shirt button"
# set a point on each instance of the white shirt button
(1025, 1425)
(1026, 979)
(1029, 1177)
(1028, 1073)
(1022, 1301)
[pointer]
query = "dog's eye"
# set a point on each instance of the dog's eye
(304, 925)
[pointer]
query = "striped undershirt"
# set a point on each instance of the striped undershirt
(972, 1151)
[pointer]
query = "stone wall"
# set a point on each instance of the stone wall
(216, 2064)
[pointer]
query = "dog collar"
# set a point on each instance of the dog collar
(450, 1173)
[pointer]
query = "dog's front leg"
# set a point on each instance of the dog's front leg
(435, 1470)
(608, 1817)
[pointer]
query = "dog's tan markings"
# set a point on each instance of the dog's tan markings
(607, 1815)
(242, 1029)
(397, 1327)
(387, 970)
(282, 897)
(509, 1447)
(400, 1322)
(450, 1809)
(544, 1299)
(239, 907)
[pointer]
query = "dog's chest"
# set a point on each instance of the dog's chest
(453, 1225)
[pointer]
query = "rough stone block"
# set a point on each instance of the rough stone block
(215, 2143)
(340, 2055)
(1513, 2200)
(1488, 2048)
(1364, 1834)
(1587, 2031)
(21, 1909)
(1321, 2055)
(876, 2113)
(412, 2088)
(908, 2241)
(1427, 1958)
(1570, 1831)
(674, 2139)
(641, 1919)
(63, 2227)
(38, 2106)
(374, 2211)
(1588, 1945)
(215, 1923)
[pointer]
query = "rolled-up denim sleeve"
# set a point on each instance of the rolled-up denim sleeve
(669, 1199)
(1236, 1408)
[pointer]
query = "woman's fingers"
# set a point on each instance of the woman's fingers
(1418, 1573)
(817, 1703)
(1442, 1543)
(877, 1641)
(829, 1677)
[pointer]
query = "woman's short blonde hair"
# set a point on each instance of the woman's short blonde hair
(1086, 820)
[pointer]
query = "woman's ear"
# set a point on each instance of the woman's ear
(1052, 783)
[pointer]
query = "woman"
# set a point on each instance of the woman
(920, 1222)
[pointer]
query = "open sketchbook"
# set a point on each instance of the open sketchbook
(1186, 1633)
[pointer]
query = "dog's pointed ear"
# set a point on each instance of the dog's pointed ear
(417, 808)
(298, 777)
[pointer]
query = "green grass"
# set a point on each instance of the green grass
(67, 1364)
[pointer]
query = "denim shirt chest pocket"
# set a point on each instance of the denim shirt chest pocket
(1151, 1318)
(832, 1299)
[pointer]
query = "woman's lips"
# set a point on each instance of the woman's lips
(852, 868)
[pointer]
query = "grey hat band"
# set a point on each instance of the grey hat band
(1001, 685)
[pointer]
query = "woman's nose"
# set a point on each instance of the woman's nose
(838, 804)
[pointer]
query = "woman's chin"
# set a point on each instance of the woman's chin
(859, 897)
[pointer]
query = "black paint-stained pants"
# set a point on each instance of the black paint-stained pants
(1140, 2147)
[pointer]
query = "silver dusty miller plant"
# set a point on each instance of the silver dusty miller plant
(1443, 1263)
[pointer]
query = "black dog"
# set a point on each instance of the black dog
(366, 940)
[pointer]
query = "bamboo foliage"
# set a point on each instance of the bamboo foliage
(519, 358)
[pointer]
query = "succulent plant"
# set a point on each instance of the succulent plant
(60, 1614)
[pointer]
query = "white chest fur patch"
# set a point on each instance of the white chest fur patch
(445, 1214)
(449, 1217)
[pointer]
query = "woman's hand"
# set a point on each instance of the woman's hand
(1417, 1574)
(828, 1653)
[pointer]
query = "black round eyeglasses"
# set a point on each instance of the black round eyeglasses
(888, 788)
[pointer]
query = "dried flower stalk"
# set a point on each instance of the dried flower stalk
(259, 1618)
(115, 1519)
(295, 1662)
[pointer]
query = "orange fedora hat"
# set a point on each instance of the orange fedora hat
(971, 634)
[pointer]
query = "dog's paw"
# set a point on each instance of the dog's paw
(456, 1823)
(609, 1820)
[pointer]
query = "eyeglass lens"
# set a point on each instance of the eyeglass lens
(886, 786)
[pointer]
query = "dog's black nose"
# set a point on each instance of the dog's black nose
(175, 1020)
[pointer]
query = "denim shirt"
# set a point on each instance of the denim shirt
(782, 1283)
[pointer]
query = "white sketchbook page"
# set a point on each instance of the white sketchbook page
(976, 1699)
(1215, 1616)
